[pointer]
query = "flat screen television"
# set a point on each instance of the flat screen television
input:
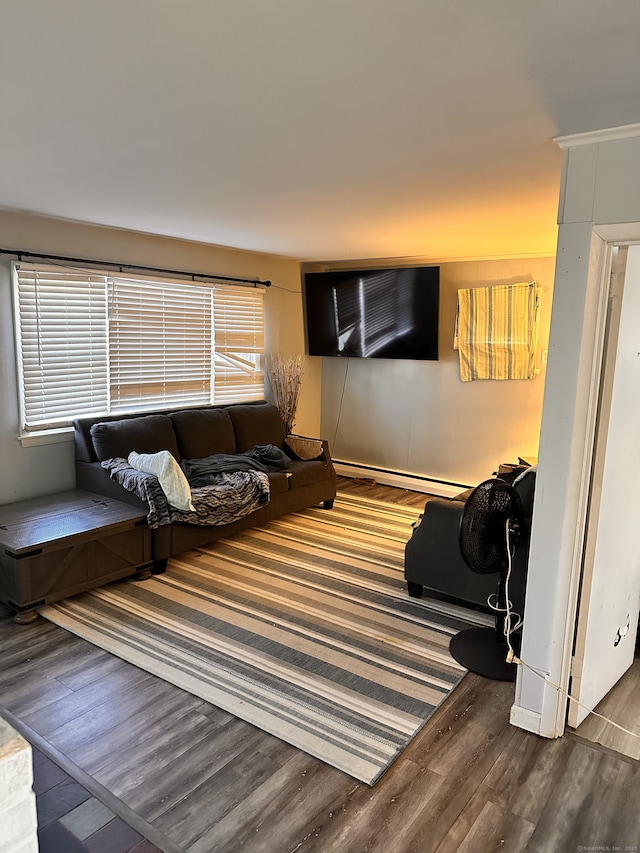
(373, 313)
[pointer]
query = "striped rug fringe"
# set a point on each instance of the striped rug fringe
(302, 627)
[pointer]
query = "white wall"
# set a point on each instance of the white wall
(600, 201)
(419, 417)
(29, 471)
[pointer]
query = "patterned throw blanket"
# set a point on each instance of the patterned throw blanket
(226, 497)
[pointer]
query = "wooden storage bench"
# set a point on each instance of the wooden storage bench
(58, 545)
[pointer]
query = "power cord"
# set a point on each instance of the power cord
(494, 604)
(513, 658)
(344, 385)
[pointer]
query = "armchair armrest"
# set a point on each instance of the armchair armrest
(433, 559)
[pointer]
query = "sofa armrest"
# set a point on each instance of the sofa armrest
(92, 477)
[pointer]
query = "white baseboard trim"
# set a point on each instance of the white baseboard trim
(400, 479)
(523, 718)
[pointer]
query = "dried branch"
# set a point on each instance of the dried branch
(285, 378)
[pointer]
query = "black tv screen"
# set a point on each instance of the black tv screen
(373, 313)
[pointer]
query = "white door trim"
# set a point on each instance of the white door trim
(555, 711)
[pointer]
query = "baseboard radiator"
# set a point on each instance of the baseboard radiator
(400, 479)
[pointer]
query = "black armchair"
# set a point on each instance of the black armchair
(434, 564)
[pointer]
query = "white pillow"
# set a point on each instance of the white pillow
(170, 476)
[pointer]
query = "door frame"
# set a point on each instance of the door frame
(546, 689)
(598, 282)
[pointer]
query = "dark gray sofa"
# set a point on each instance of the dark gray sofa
(433, 561)
(193, 434)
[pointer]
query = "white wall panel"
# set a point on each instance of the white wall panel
(617, 189)
(579, 186)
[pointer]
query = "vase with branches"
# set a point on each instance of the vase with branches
(285, 377)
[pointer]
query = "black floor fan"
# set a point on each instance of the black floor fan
(490, 526)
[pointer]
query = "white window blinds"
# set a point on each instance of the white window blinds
(238, 319)
(91, 343)
(62, 329)
(159, 344)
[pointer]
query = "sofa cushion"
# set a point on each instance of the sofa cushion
(257, 424)
(147, 434)
(278, 482)
(303, 473)
(203, 432)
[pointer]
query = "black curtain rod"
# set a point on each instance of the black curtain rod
(192, 275)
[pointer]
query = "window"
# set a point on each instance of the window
(94, 343)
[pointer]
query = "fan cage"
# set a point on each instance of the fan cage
(490, 507)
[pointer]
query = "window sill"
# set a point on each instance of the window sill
(50, 436)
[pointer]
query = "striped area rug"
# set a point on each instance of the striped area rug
(302, 627)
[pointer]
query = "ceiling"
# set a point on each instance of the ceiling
(314, 129)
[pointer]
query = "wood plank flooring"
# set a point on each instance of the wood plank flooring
(621, 705)
(71, 820)
(204, 782)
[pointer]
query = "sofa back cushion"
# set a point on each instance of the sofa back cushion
(257, 424)
(203, 432)
(147, 434)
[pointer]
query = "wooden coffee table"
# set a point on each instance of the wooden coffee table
(58, 545)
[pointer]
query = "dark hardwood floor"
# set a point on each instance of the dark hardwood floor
(190, 777)
(72, 820)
